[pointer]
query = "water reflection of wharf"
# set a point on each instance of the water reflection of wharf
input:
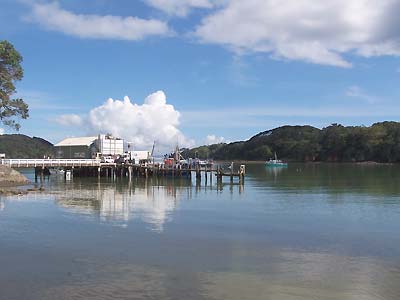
(151, 200)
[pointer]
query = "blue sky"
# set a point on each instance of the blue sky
(230, 68)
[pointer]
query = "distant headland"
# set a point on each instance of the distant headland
(379, 142)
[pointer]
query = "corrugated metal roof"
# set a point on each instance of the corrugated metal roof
(77, 141)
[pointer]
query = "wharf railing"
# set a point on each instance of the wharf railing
(50, 163)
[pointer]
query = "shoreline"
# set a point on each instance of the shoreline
(13, 182)
(366, 163)
(19, 190)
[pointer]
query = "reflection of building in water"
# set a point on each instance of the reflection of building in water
(2, 204)
(119, 204)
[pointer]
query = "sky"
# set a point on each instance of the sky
(197, 72)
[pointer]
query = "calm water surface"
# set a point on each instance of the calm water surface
(305, 232)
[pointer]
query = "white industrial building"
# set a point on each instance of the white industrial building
(89, 147)
(76, 147)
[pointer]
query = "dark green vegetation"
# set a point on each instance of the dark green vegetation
(10, 72)
(22, 146)
(335, 143)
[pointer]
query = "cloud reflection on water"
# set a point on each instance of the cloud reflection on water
(152, 204)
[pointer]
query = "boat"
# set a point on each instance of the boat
(276, 162)
(57, 171)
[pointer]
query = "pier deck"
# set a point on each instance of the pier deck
(94, 167)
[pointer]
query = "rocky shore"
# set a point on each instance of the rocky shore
(9, 176)
(9, 179)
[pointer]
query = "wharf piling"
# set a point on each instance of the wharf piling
(129, 171)
(93, 167)
(231, 174)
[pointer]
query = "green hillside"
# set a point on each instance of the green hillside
(335, 143)
(22, 146)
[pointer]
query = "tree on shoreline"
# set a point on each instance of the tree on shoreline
(11, 72)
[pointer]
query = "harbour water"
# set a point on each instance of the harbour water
(309, 231)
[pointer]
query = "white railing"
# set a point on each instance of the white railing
(26, 163)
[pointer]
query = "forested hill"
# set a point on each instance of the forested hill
(22, 146)
(379, 142)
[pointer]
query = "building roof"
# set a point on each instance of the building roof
(77, 141)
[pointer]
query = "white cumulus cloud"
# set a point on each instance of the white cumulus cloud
(53, 17)
(2, 131)
(213, 139)
(319, 32)
(142, 124)
(179, 8)
(69, 120)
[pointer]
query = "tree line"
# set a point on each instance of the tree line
(379, 142)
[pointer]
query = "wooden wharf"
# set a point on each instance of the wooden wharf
(94, 167)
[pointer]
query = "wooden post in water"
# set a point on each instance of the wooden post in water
(219, 175)
(42, 174)
(130, 172)
(231, 171)
(39, 172)
(242, 172)
(198, 174)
